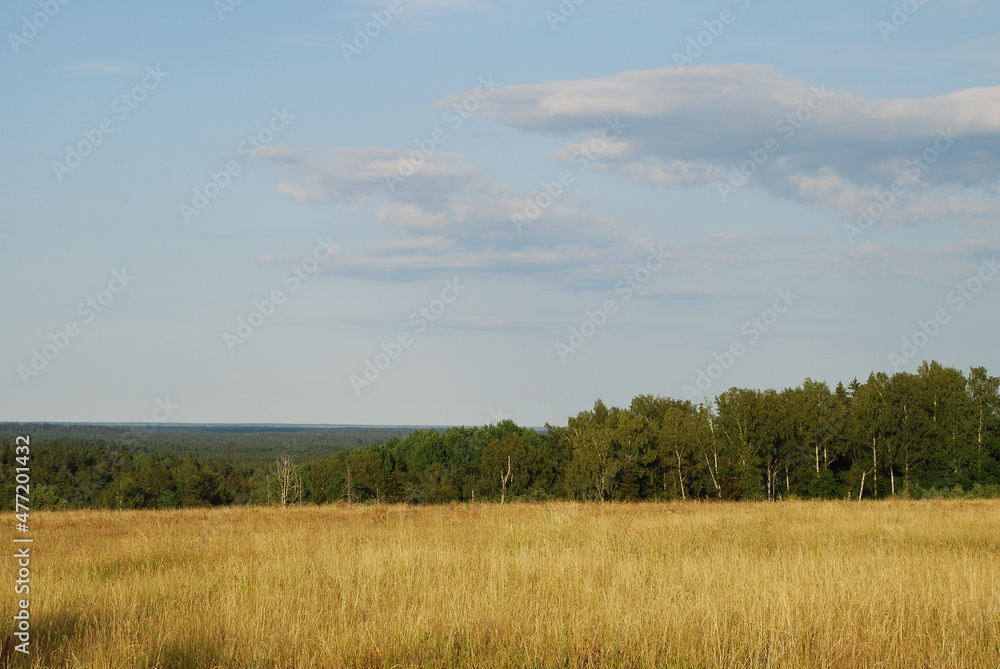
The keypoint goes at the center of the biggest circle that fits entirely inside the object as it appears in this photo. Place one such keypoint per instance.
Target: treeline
(252, 445)
(935, 432)
(106, 475)
(164, 465)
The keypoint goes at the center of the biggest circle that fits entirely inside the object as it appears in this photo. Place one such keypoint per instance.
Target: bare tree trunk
(862, 488)
(680, 475)
(980, 438)
(505, 481)
(874, 468)
(715, 457)
(715, 481)
(288, 480)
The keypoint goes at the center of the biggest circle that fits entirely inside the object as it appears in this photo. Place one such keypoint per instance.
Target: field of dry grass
(797, 584)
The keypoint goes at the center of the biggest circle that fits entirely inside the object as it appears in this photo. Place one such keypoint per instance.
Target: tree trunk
(715, 481)
(680, 475)
(504, 482)
(289, 483)
(874, 468)
(980, 437)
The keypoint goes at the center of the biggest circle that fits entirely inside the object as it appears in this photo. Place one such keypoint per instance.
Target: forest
(935, 432)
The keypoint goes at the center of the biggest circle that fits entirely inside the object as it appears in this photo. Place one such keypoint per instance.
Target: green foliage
(824, 486)
(932, 433)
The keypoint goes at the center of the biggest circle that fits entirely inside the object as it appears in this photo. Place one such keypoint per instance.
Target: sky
(438, 212)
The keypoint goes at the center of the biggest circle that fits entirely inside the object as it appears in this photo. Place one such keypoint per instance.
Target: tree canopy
(936, 431)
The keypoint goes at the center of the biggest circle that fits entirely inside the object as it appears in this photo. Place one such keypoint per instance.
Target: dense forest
(935, 432)
(244, 444)
(164, 465)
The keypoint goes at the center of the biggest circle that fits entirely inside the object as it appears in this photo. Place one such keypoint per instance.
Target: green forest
(935, 432)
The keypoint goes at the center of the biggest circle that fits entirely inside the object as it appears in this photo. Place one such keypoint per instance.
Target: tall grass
(797, 584)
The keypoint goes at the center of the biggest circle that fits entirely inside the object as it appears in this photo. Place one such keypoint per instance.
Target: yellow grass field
(794, 584)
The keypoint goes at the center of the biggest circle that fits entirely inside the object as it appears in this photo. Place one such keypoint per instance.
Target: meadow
(689, 585)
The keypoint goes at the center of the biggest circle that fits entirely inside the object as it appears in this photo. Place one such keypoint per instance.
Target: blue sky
(219, 212)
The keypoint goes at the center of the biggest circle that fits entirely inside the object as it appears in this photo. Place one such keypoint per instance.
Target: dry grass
(798, 584)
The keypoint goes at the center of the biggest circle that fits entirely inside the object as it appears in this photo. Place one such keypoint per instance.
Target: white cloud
(448, 217)
(833, 148)
(684, 129)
